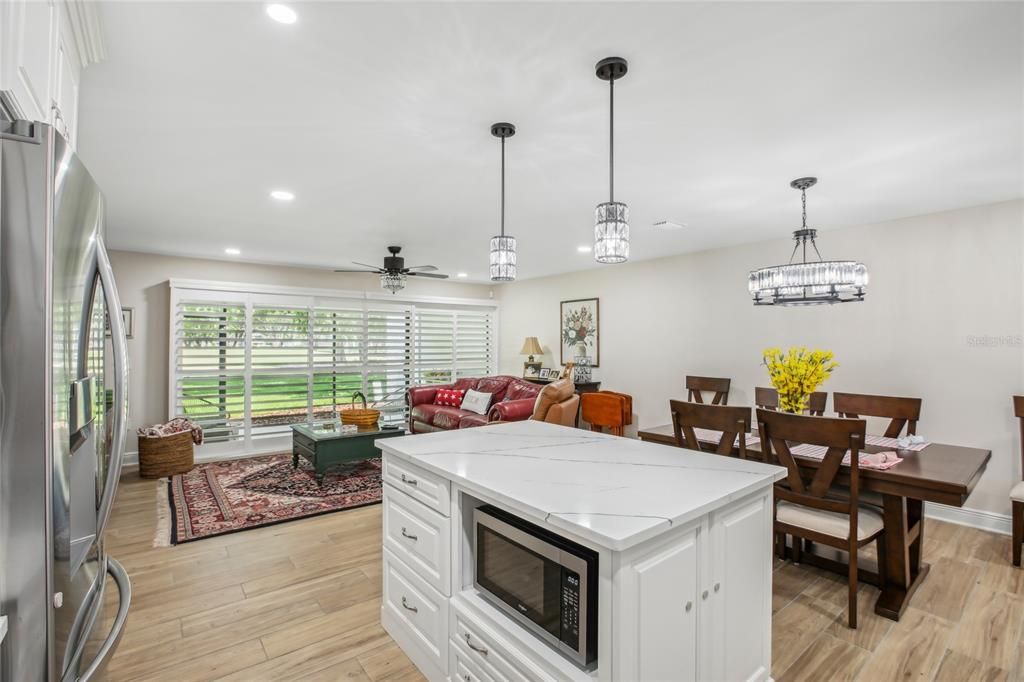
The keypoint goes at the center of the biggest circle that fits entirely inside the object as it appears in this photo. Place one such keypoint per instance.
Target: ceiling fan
(394, 273)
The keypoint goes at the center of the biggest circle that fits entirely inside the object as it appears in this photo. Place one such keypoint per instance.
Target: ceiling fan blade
(432, 275)
(368, 272)
(372, 267)
(424, 268)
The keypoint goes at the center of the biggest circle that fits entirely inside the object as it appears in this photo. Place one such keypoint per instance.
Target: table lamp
(531, 347)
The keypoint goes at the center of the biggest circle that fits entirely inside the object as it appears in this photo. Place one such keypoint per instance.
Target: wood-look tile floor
(301, 601)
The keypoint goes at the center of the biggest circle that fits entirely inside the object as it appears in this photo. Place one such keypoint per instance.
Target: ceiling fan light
(503, 258)
(393, 281)
(611, 232)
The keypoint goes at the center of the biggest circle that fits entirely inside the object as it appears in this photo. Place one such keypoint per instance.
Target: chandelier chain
(803, 200)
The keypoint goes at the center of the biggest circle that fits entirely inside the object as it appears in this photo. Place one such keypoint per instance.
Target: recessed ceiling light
(232, 251)
(583, 249)
(282, 195)
(283, 14)
(462, 275)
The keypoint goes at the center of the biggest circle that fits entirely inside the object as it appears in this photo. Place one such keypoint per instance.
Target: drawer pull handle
(409, 481)
(689, 606)
(705, 595)
(406, 535)
(717, 586)
(405, 605)
(468, 677)
(479, 650)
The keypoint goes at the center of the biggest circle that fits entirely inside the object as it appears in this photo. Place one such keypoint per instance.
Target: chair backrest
(564, 413)
(778, 429)
(696, 386)
(731, 421)
(554, 393)
(604, 410)
(900, 411)
(768, 398)
(1018, 411)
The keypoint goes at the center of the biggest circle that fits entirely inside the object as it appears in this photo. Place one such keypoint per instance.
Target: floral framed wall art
(579, 330)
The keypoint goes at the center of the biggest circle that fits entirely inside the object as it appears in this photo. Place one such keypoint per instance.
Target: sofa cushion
(448, 417)
(471, 420)
(476, 401)
(552, 394)
(496, 386)
(423, 413)
(466, 383)
(452, 397)
(519, 389)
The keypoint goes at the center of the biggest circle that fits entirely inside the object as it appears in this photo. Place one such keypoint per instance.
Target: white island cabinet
(684, 544)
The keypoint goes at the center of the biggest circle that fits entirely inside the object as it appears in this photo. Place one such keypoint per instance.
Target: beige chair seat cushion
(1017, 494)
(869, 521)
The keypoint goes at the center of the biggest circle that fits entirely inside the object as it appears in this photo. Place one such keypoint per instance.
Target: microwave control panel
(570, 625)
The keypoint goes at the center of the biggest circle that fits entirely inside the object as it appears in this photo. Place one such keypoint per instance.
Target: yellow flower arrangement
(797, 374)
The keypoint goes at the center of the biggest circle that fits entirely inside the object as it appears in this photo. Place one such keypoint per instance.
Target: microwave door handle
(124, 591)
(119, 342)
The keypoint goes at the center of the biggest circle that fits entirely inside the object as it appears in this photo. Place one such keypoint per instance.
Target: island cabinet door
(657, 612)
(739, 589)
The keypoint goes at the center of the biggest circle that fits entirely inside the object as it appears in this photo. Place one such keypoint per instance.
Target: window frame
(253, 296)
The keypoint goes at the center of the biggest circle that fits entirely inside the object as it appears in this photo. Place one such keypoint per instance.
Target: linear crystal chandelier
(503, 247)
(808, 283)
(611, 218)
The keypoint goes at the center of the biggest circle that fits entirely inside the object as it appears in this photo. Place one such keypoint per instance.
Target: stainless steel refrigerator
(63, 412)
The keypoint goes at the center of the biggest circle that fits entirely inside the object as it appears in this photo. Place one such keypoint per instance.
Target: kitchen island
(683, 541)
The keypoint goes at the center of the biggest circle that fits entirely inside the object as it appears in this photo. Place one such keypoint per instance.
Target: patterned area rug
(224, 497)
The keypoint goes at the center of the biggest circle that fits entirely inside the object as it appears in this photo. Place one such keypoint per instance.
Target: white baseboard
(975, 518)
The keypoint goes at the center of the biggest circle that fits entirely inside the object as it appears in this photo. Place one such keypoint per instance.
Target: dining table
(940, 473)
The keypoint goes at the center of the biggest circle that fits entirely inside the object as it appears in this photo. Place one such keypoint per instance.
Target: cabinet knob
(689, 606)
(718, 586)
(704, 595)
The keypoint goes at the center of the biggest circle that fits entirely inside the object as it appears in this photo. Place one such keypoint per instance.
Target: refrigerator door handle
(124, 591)
(120, 417)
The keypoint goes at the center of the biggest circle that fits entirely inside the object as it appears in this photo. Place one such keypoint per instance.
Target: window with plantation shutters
(248, 364)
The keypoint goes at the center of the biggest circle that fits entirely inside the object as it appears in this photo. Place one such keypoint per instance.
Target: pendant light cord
(611, 140)
(502, 186)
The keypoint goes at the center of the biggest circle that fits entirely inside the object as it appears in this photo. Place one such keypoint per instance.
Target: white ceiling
(377, 117)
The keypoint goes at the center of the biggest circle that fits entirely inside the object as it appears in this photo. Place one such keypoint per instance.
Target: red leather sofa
(513, 400)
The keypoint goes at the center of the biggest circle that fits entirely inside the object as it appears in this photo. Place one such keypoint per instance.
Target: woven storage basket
(166, 455)
(364, 419)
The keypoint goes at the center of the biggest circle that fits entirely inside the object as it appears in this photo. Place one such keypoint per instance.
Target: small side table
(325, 447)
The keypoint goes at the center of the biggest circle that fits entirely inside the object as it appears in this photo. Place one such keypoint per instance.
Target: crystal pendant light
(808, 283)
(611, 218)
(503, 247)
(393, 281)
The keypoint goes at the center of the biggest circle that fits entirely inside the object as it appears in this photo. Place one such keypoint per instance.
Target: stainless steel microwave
(543, 581)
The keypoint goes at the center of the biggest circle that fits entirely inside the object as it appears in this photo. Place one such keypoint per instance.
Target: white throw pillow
(477, 401)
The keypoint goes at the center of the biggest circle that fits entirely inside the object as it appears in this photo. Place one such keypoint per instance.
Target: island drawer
(464, 669)
(419, 536)
(491, 653)
(420, 609)
(421, 485)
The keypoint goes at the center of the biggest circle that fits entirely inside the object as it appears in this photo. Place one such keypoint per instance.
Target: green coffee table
(325, 447)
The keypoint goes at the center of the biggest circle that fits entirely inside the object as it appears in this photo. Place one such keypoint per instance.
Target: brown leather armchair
(557, 403)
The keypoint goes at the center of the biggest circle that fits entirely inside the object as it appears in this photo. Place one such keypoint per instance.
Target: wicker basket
(166, 455)
(364, 419)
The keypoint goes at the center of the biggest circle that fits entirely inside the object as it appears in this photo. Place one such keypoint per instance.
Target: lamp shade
(531, 346)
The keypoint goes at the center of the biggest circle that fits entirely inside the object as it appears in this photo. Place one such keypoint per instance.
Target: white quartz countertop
(614, 492)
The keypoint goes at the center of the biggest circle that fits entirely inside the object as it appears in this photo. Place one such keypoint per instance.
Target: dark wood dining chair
(606, 410)
(900, 411)
(1017, 493)
(697, 386)
(731, 421)
(768, 398)
(806, 505)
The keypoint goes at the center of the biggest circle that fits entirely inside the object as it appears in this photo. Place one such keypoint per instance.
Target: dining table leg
(903, 568)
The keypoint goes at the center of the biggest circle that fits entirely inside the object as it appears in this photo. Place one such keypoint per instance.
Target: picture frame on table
(579, 330)
(545, 373)
(531, 370)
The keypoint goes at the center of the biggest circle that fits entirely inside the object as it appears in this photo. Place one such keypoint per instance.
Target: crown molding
(83, 23)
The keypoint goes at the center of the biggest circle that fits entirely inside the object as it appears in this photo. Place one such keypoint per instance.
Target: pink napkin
(880, 460)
